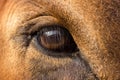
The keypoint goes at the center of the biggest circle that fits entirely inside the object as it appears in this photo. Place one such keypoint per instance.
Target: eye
(56, 40)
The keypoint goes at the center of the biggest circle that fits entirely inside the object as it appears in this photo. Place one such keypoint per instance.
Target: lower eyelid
(36, 45)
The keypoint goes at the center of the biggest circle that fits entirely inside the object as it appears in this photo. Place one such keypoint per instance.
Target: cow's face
(59, 39)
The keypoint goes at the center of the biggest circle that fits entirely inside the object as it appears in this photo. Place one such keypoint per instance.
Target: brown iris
(52, 39)
(56, 39)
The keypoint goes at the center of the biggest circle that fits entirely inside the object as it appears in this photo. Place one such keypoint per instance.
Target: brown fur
(94, 25)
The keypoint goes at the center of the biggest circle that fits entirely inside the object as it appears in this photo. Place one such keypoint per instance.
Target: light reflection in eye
(50, 33)
(52, 39)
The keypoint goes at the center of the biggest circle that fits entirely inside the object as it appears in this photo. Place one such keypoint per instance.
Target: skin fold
(93, 24)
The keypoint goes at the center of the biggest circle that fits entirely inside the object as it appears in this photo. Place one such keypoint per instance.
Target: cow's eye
(56, 40)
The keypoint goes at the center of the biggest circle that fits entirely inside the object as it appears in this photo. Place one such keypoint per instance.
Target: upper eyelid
(35, 24)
